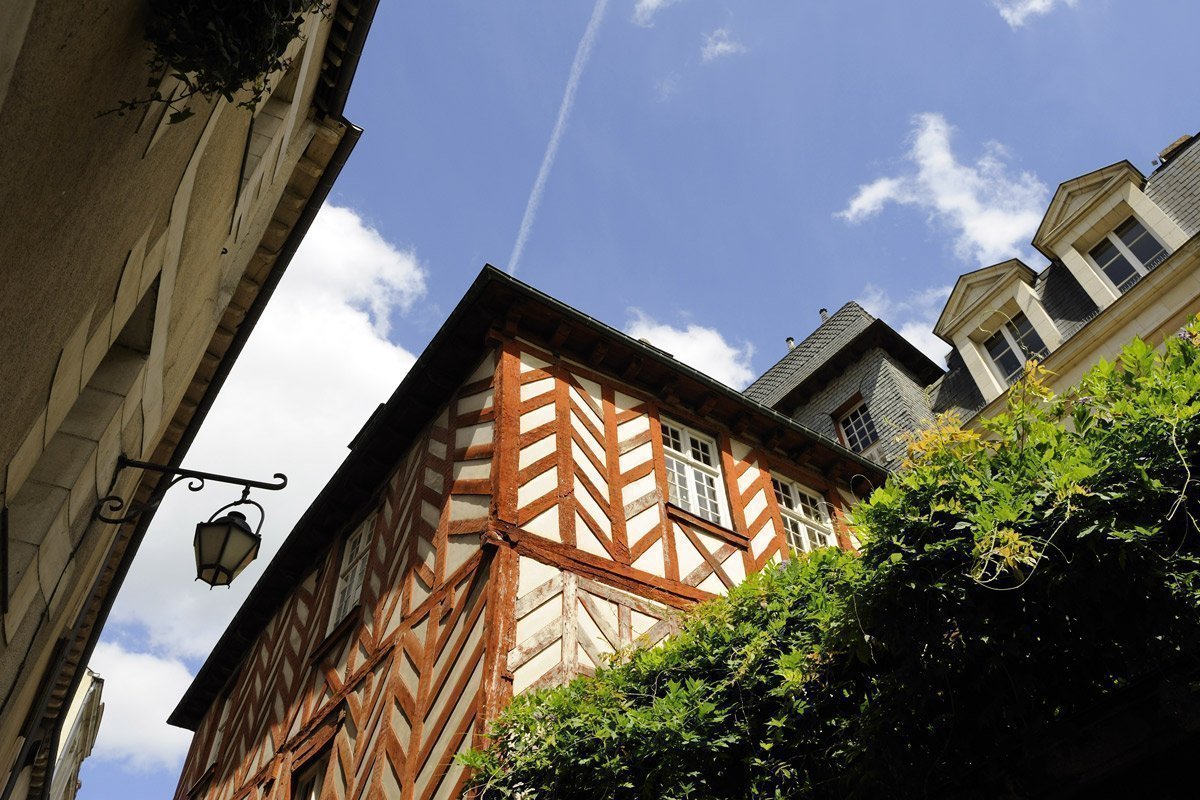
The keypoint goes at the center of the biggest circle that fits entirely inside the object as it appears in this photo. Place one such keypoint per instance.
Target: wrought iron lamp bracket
(109, 509)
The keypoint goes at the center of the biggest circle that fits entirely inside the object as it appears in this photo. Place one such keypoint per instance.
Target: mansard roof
(828, 350)
(1074, 196)
(495, 302)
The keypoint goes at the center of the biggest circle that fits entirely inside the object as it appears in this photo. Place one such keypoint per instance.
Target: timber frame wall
(521, 537)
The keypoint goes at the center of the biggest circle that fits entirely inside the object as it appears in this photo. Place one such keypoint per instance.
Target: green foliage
(219, 48)
(1007, 581)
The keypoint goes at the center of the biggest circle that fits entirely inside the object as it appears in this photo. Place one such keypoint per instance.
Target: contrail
(564, 111)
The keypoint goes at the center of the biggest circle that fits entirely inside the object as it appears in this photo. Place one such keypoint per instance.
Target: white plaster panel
(542, 484)
(532, 362)
(597, 447)
(531, 574)
(686, 554)
(748, 478)
(760, 543)
(586, 540)
(536, 388)
(638, 489)
(638, 455)
(469, 506)
(623, 401)
(539, 449)
(474, 470)
(652, 560)
(755, 506)
(585, 499)
(712, 584)
(640, 524)
(642, 622)
(739, 449)
(475, 402)
(539, 416)
(548, 613)
(440, 752)
(585, 408)
(473, 435)
(631, 428)
(431, 514)
(584, 464)
(545, 524)
(537, 666)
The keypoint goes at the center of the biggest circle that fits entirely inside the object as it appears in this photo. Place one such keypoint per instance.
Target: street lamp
(225, 545)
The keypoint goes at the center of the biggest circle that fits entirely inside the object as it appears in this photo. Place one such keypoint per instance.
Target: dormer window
(1127, 254)
(858, 429)
(1015, 343)
(693, 474)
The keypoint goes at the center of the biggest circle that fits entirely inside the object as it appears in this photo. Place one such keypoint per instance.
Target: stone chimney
(791, 343)
(824, 312)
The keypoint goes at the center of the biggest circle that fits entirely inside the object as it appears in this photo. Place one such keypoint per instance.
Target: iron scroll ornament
(108, 509)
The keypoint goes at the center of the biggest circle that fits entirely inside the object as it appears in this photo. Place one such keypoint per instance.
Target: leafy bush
(1008, 580)
(218, 48)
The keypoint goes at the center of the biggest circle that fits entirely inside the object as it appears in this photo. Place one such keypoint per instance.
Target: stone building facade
(1124, 261)
(540, 491)
(137, 255)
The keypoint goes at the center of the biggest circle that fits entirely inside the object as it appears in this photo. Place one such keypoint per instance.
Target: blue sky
(724, 170)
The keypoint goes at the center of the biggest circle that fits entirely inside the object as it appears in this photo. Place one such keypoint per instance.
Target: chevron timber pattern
(523, 538)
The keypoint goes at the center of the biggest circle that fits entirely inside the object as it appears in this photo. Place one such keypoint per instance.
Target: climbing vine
(1010, 577)
(218, 48)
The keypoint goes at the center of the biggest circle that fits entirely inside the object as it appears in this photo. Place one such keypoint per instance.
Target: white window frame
(1141, 270)
(804, 528)
(355, 555)
(693, 472)
(871, 447)
(1007, 329)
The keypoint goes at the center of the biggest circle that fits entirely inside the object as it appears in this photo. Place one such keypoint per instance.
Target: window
(1128, 253)
(1015, 343)
(858, 429)
(306, 785)
(693, 476)
(350, 577)
(805, 519)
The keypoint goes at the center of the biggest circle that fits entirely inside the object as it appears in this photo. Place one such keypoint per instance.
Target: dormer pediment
(979, 289)
(1075, 197)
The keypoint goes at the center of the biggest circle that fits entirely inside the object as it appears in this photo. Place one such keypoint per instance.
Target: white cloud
(644, 11)
(703, 348)
(720, 43)
(140, 689)
(913, 317)
(1017, 12)
(316, 366)
(992, 210)
(582, 53)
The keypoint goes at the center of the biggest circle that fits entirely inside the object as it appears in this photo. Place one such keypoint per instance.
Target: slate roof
(807, 356)
(1067, 303)
(1175, 186)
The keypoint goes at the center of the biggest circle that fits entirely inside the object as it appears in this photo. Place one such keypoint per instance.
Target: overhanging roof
(494, 300)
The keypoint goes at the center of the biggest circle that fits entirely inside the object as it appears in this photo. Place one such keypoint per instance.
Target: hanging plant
(218, 48)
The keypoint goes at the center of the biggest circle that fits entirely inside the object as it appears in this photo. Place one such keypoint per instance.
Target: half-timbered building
(539, 492)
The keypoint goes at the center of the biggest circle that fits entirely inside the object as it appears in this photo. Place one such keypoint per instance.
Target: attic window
(1014, 344)
(1127, 254)
(857, 428)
